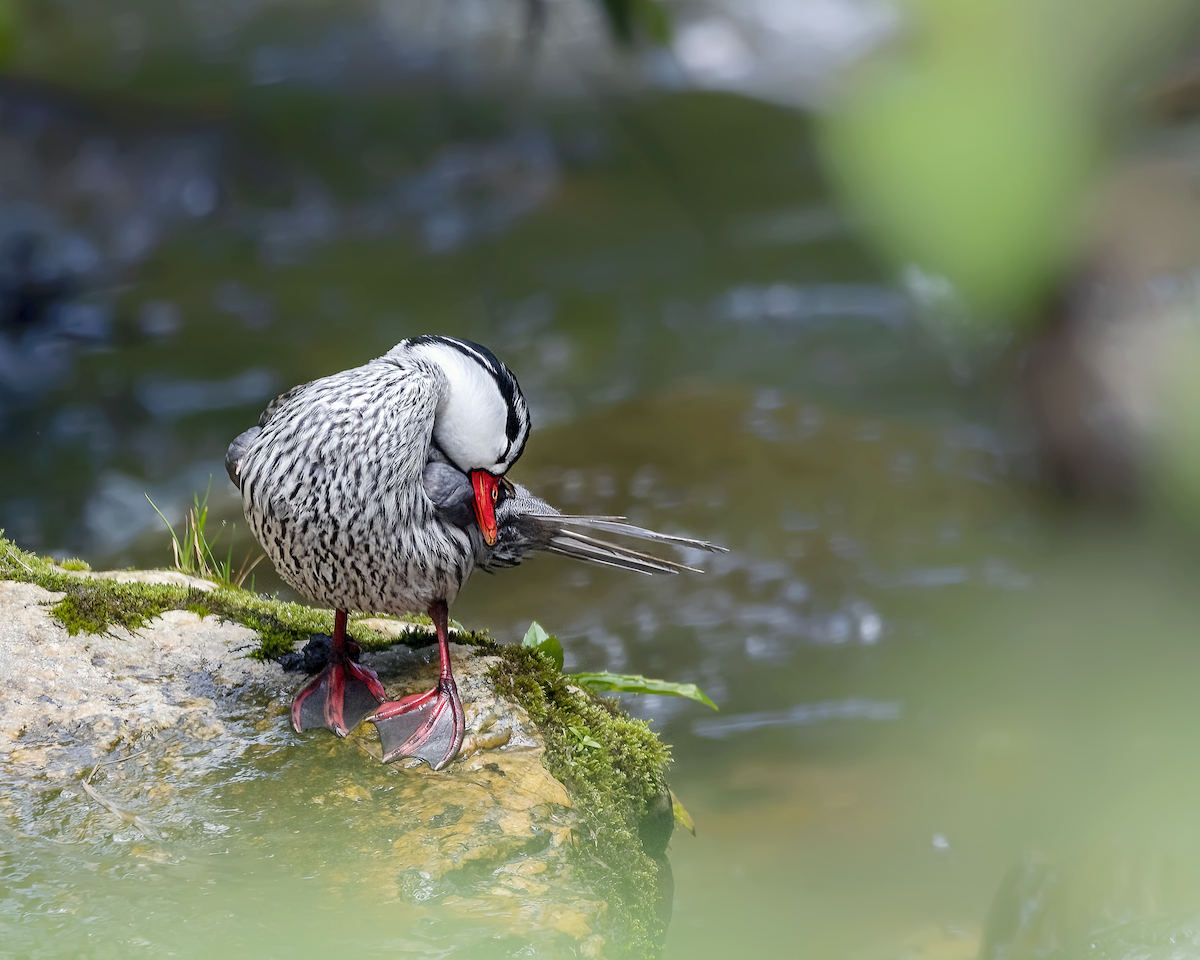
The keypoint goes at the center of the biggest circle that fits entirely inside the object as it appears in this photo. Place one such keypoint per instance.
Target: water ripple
(803, 714)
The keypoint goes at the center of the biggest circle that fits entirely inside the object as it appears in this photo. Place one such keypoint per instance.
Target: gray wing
(527, 524)
(358, 435)
(243, 441)
(450, 490)
(237, 453)
(282, 400)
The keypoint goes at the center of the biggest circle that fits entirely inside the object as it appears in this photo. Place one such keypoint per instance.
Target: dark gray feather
(450, 490)
(237, 451)
(527, 524)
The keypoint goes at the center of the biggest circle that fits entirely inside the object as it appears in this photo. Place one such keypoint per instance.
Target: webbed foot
(339, 697)
(428, 726)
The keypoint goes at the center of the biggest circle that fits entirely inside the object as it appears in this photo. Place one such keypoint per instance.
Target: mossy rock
(94, 602)
(552, 823)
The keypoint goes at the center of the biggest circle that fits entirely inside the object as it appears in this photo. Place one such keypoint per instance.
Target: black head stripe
(480, 354)
(506, 383)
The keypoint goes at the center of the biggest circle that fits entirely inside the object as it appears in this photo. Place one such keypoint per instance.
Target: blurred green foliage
(968, 145)
(10, 22)
(632, 20)
(1174, 457)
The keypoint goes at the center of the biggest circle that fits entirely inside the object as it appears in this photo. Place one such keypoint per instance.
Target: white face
(471, 423)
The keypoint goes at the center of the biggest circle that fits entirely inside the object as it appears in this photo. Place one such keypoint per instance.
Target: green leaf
(584, 739)
(552, 649)
(635, 683)
(537, 639)
(535, 636)
(682, 817)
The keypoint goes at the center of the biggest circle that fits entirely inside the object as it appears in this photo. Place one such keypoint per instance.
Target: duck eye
(495, 492)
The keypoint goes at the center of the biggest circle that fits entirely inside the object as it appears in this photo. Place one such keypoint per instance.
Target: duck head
(482, 421)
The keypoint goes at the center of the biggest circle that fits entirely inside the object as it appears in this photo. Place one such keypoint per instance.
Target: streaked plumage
(332, 482)
(381, 488)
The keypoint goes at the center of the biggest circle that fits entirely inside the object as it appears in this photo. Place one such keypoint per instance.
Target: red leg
(340, 696)
(428, 725)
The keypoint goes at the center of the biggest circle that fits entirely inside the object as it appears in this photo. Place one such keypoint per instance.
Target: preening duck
(380, 489)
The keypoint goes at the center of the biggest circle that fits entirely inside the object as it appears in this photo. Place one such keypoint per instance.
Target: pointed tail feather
(528, 524)
(620, 526)
(591, 550)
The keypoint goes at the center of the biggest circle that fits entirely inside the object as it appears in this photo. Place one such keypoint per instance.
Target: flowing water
(928, 675)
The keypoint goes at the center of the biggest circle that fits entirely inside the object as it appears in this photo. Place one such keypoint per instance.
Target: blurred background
(897, 299)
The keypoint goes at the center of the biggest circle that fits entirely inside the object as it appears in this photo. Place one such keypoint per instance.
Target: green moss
(614, 768)
(93, 605)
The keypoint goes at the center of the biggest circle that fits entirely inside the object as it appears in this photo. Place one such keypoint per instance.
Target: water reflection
(800, 715)
(790, 303)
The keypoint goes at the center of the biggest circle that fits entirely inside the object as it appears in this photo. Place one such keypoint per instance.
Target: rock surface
(179, 720)
(68, 701)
